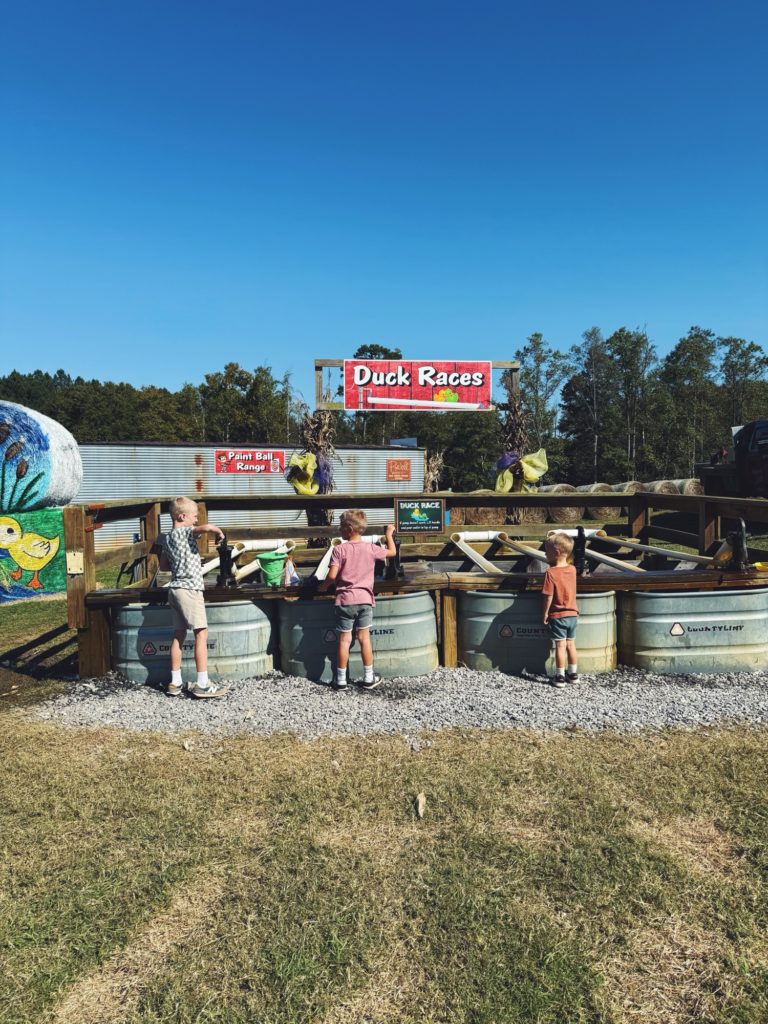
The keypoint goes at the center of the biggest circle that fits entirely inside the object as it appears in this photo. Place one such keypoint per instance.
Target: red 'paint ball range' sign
(385, 385)
(249, 460)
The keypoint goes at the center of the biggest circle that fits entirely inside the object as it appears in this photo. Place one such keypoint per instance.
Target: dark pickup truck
(747, 475)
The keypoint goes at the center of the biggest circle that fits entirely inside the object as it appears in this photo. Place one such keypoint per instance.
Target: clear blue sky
(185, 184)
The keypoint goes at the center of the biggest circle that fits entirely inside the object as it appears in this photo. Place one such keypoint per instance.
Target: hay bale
(599, 511)
(479, 515)
(690, 486)
(627, 487)
(533, 514)
(567, 514)
(661, 487)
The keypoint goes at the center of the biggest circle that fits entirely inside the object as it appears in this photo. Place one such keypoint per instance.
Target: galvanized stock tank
(404, 638)
(240, 642)
(505, 632)
(700, 631)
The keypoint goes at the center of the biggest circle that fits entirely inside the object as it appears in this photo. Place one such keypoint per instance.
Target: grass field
(561, 878)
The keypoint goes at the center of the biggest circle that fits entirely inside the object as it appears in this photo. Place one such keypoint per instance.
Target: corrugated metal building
(113, 471)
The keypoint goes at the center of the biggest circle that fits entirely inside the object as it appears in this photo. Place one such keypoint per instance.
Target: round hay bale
(599, 511)
(690, 486)
(533, 514)
(479, 515)
(627, 487)
(568, 513)
(661, 487)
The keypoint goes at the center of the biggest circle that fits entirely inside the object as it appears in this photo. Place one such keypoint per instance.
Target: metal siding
(148, 471)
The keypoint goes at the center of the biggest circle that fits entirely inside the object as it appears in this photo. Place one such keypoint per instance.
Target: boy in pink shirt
(352, 567)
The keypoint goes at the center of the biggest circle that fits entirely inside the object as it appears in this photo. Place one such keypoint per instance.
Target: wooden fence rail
(89, 609)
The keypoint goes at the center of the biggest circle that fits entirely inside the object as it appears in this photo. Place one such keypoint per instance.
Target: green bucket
(272, 564)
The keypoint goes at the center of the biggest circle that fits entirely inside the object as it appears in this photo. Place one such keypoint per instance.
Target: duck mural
(40, 471)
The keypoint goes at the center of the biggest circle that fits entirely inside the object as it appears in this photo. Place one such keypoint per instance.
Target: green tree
(688, 372)
(743, 366)
(543, 370)
(590, 419)
(634, 358)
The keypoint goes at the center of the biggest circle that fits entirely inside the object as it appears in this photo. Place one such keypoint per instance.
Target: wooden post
(637, 517)
(204, 540)
(709, 526)
(449, 633)
(74, 547)
(150, 531)
(92, 624)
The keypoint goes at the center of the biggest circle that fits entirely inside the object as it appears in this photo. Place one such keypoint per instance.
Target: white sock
(368, 670)
(560, 673)
(572, 670)
(202, 679)
(341, 675)
(176, 677)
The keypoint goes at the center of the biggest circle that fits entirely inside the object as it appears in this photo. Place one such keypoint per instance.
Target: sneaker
(338, 684)
(558, 682)
(572, 677)
(211, 690)
(175, 689)
(376, 681)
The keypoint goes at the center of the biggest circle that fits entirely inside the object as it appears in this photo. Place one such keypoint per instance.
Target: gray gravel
(625, 700)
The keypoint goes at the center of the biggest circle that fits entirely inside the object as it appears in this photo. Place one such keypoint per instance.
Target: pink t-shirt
(355, 561)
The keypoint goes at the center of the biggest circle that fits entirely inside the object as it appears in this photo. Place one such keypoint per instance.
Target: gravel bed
(625, 700)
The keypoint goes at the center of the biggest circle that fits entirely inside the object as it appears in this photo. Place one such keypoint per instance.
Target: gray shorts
(564, 628)
(353, 616)
(187, 608)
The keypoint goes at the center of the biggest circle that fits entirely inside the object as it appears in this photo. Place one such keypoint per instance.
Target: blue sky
(188, 184)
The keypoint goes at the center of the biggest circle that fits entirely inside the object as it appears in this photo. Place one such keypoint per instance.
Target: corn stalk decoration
(311, 470)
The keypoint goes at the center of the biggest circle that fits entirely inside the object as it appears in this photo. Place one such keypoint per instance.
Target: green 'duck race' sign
(420, 515)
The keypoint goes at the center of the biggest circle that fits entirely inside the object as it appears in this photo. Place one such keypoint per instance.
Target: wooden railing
(88, 609)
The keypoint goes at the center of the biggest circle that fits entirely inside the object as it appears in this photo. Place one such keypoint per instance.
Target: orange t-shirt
(560, 581)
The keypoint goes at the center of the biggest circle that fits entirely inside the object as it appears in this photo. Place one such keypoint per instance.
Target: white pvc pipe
(620, 542)
(575, 533)
(523, 549)
(241, 572)
(475, 535)
(324, 564)
(480, 562)
(241, 546)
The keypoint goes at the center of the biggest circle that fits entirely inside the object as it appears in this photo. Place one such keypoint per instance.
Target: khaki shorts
(187, 608)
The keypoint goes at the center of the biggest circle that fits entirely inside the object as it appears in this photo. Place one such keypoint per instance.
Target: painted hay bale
(566, 514)
(690, 486)
(599, 511)
(661, 487)
(32, 559)
(40, 463)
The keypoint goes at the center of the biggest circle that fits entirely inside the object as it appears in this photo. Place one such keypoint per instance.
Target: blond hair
(354, 520)
(561, 543)
(181, 505)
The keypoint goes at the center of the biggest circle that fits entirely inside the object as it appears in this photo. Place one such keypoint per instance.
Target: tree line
(606, 409)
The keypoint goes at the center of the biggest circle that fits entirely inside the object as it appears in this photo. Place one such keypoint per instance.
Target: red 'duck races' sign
(384, 385)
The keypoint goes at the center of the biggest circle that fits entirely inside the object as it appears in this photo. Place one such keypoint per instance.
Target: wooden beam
(709, 525)
(449, 631)
(94, 653)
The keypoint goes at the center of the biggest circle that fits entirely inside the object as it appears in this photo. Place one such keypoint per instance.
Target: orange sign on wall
(398, 469)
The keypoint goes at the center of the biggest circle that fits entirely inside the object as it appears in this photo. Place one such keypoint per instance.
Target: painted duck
(29, 551)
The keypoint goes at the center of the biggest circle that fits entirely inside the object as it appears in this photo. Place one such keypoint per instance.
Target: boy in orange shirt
(561, 612)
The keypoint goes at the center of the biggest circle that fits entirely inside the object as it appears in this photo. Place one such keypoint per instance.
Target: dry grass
(611, 879)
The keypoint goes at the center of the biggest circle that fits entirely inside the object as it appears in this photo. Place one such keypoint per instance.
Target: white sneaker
(211, 690)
